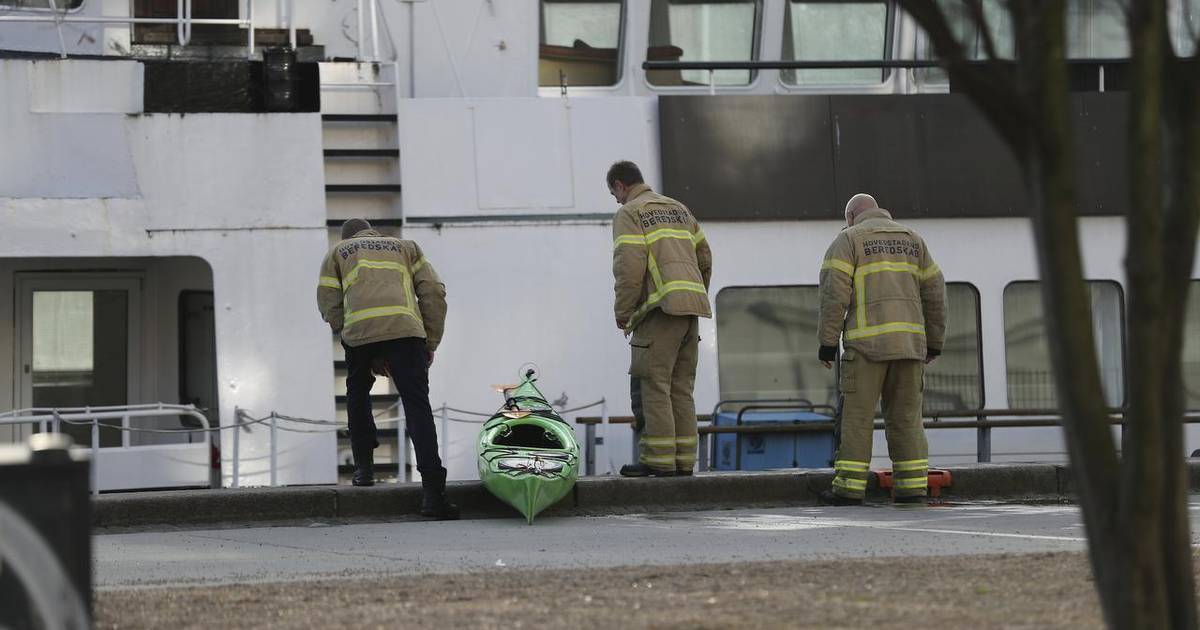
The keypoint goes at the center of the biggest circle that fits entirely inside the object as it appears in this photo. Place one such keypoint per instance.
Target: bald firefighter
(885, 298)
(662, 266)
(386, 301)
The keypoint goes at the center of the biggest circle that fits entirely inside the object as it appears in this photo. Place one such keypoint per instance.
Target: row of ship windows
(581, 42)
(767, 344)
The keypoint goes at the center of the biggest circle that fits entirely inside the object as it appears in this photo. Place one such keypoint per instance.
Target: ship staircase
(362, 179)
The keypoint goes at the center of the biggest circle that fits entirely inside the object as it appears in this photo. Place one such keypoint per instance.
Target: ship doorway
(204, 34)
(198, 354)
(78, 346)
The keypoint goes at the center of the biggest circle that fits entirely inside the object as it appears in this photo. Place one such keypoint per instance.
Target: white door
(78, 344)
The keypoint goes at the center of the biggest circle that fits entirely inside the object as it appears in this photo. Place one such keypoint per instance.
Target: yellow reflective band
(662, 233)
(656, 235)
(378, 311)
(653, 441)
(909, 484)
(930, 271)
(330, 282)
(419, 264)
(851, 484)
(840, 265)
(883, 329)
(846, 464)
(860, 287)
(352, 277)
(911, 464)
(629, 239)
(665, 460)
(887, 265)
(685, 440)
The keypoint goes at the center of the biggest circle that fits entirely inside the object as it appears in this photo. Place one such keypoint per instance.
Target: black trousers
(408, 362)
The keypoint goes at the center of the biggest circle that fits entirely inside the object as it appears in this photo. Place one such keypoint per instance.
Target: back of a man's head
(857, 205)
(625, 172)
(354, 226)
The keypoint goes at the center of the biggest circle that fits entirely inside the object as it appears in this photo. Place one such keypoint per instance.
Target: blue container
(763, 451)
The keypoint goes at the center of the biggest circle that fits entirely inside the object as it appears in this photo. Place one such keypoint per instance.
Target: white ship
(166, 196)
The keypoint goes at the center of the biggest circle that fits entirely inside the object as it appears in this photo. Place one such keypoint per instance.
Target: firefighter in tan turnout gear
(389, 306)
(662, 266)
(885, 298)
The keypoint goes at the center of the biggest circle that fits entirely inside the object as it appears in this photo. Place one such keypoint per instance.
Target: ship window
(820, 31)
(955, 381)
(767, 345)
(69, 5)
(1031, 382)
(1191, 348)
(702, 30)
(1095, 30)
(580, 42)
(999, 23)
(1183, 20)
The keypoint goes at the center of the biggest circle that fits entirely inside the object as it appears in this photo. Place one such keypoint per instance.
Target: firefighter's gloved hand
(827, 355)
(931, 354)
(379, 367)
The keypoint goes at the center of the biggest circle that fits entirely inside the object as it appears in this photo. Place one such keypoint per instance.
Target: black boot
(827, 497)
(364, 471)
(642, 470)
(433, 502)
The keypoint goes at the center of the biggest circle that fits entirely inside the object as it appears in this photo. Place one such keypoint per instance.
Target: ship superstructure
(171, 174)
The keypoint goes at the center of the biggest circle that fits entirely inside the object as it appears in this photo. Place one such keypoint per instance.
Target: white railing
(51, 419)
(368, 12)
(280, 422)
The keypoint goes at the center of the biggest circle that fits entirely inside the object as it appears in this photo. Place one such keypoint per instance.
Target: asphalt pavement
(324, 550)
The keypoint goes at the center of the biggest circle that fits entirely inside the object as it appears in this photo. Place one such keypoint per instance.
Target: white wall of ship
(518, 292)
(89, 183)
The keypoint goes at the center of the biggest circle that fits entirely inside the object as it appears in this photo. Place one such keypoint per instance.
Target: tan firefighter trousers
(662, 371)
(900, 383)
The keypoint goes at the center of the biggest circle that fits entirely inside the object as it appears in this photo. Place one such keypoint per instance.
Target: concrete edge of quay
(1014, 482)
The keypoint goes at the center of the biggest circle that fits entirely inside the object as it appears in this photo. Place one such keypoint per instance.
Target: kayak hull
(528, 457)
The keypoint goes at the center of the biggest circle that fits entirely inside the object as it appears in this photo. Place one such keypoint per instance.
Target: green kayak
(528, 456)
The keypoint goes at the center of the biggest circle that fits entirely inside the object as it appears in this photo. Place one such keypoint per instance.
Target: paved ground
(957, 566)
(300, 553)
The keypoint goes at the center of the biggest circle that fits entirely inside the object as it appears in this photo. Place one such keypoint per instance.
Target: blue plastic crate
(763, 451)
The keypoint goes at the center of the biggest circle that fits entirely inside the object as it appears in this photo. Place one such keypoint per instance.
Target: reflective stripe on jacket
(375, 288)
(660, 259)
(881, 291)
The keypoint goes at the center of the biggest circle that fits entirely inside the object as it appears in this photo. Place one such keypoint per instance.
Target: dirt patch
(1047, 590)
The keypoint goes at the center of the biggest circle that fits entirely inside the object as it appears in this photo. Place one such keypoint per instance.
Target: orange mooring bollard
(938, 479)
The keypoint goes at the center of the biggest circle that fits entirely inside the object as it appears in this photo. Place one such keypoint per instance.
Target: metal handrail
(836, 64)
(184, 21)
(1026, 419)
(51, 420)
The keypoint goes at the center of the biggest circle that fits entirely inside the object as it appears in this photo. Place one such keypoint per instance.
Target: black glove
(827, 353)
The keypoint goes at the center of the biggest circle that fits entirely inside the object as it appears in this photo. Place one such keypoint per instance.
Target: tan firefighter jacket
(375, 288)
(881, 292)
(660, 259)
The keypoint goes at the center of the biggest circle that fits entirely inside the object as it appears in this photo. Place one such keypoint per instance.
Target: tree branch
(993, 90)
(981, 24)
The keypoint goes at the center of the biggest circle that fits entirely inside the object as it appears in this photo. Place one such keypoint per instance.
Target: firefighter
(662, 266)
(386, 301)
(885, 299)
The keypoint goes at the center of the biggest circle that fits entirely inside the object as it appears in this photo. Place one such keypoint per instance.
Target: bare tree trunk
(1182, 115)
(1135, 512)
(1144, 463)
(1068, 302)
